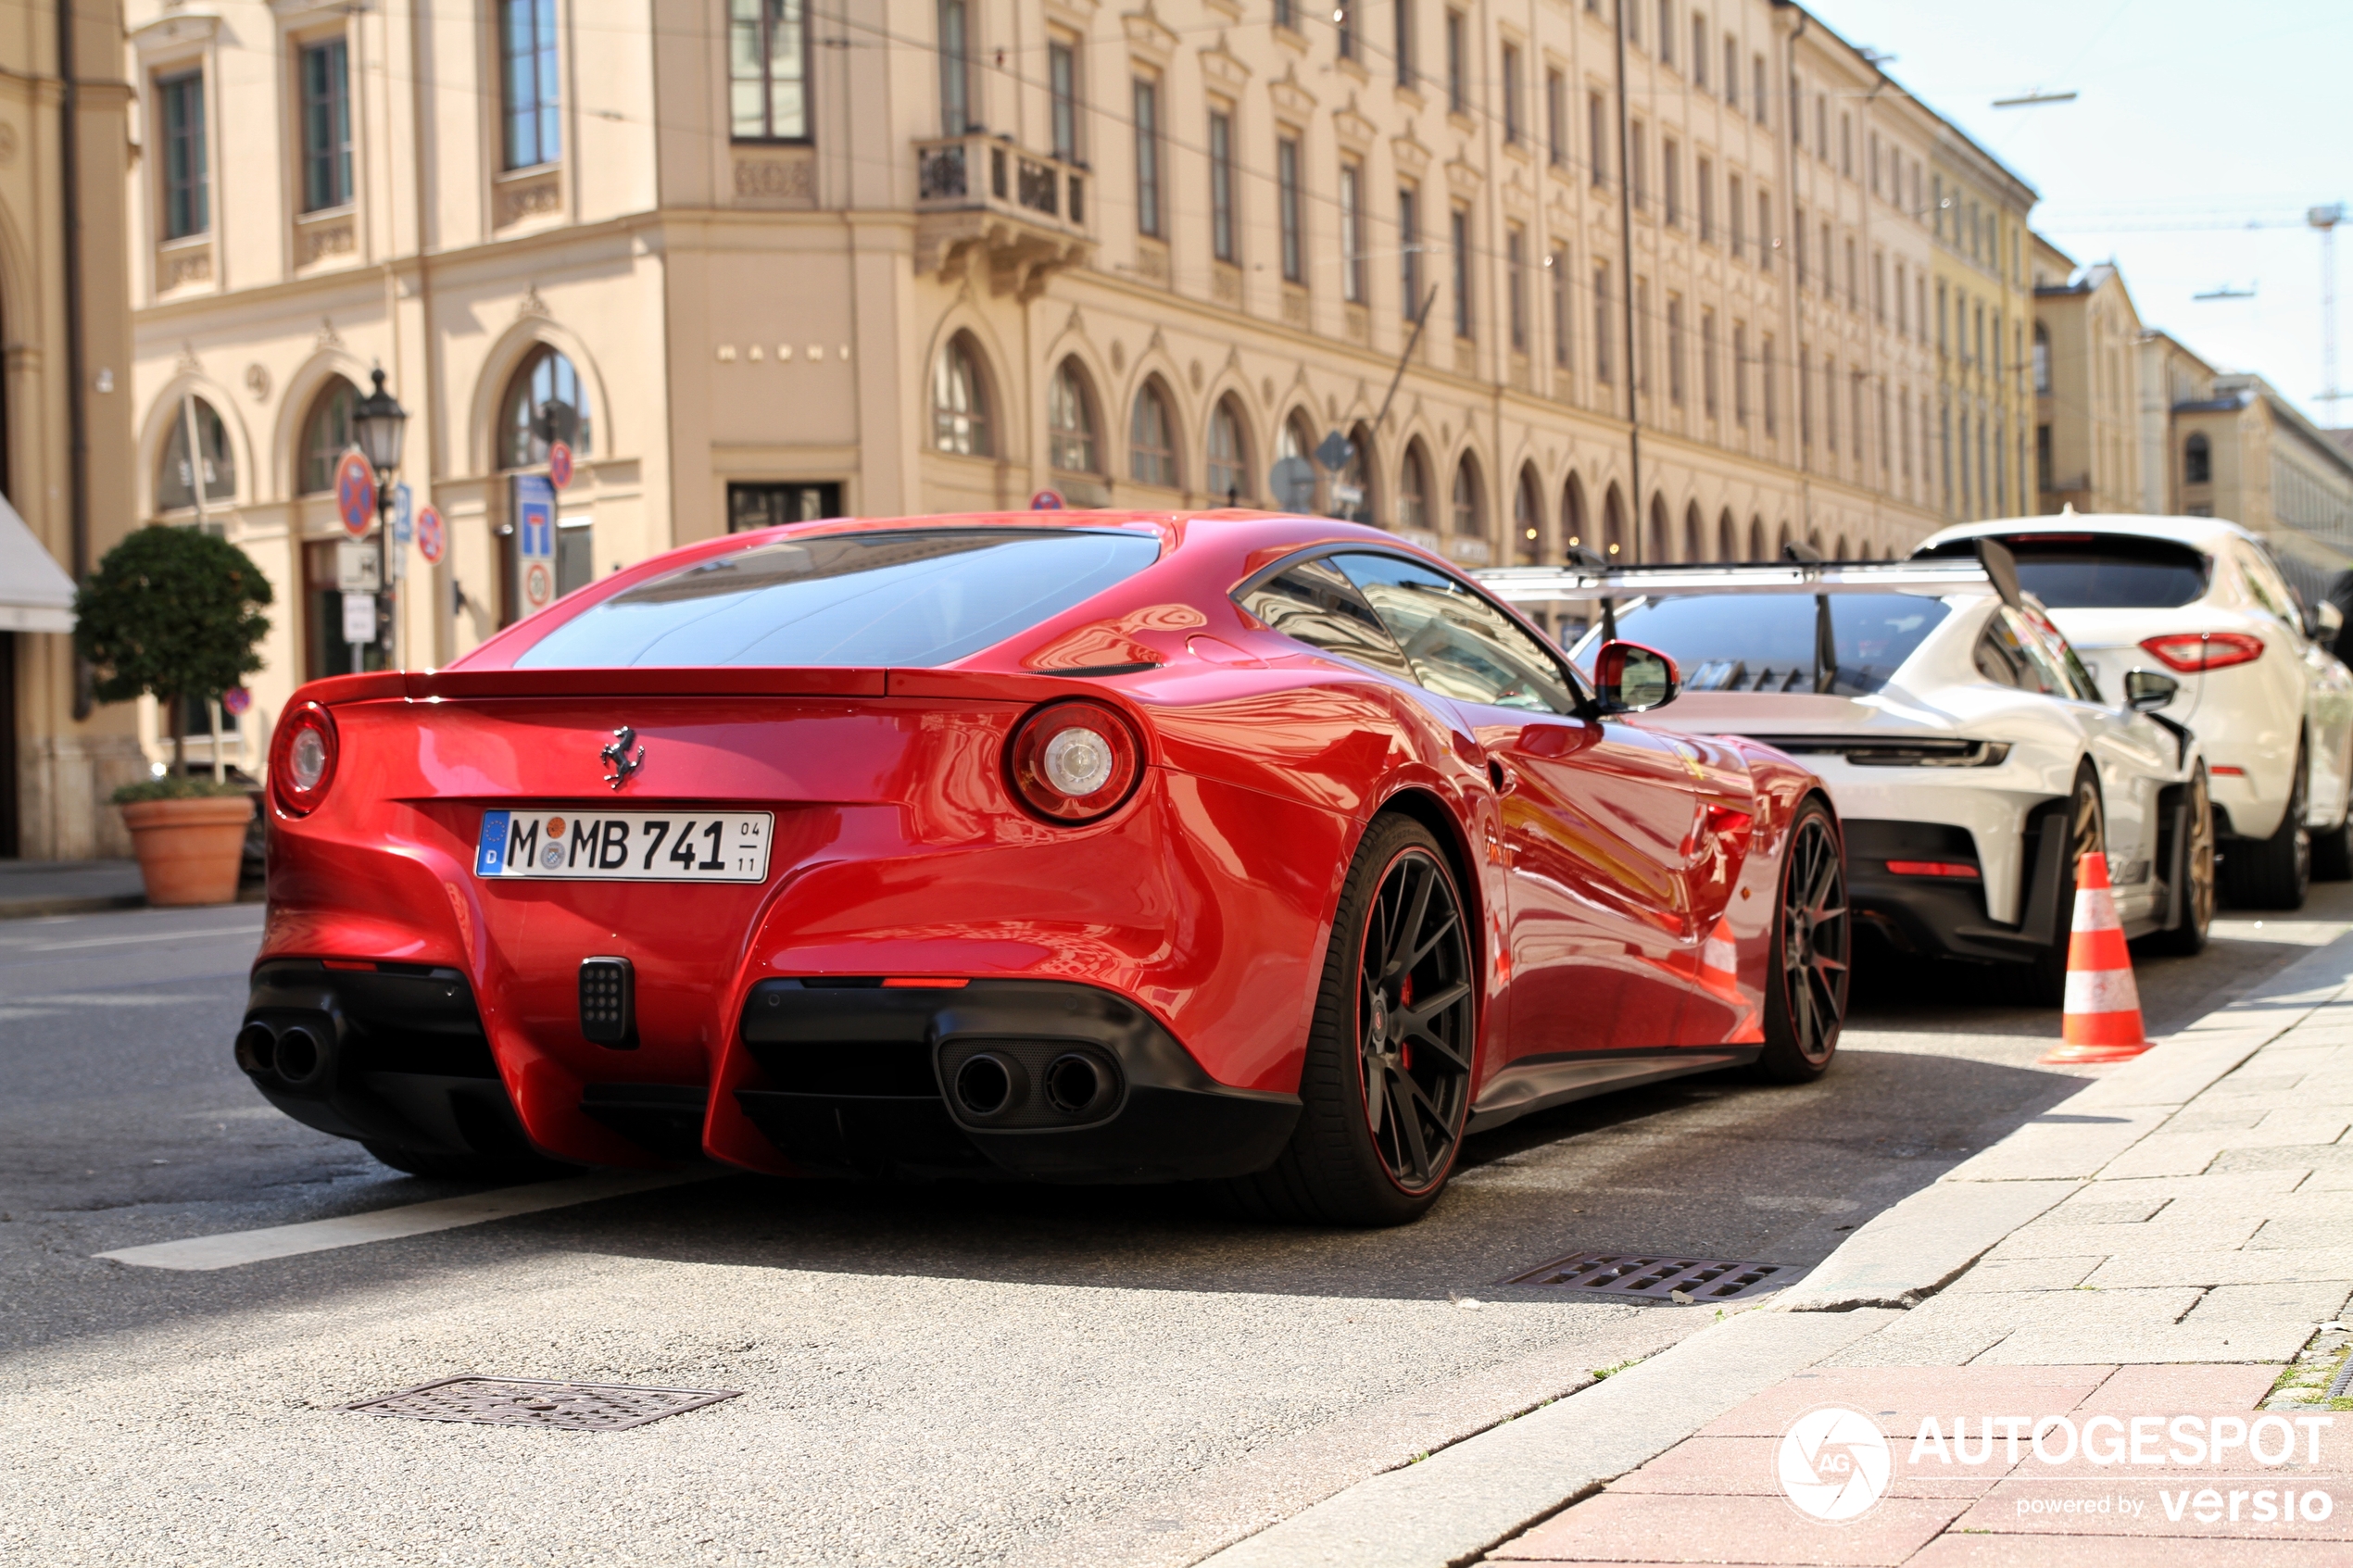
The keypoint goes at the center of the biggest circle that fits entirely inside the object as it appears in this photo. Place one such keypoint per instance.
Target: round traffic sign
(559, 464)
(355, 494)
(538, 585)
(429, 537)
(236, 699)
(1046, 501)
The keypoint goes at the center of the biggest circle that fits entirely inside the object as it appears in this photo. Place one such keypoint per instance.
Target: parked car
(1106, 848)
(1972, 757)
(2205, 600)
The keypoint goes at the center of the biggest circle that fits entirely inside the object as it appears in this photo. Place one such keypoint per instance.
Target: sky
(2192, 120)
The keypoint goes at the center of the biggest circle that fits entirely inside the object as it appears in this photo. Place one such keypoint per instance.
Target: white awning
(35, 593)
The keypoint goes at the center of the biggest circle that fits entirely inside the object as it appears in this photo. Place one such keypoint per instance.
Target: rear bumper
(1936, 916)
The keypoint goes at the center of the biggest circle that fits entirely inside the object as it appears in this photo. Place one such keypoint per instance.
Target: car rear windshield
(2102, 571)
(909, 598)
(1766, 642)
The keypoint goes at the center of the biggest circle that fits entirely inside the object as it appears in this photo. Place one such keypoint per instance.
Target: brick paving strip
(2168, 1242)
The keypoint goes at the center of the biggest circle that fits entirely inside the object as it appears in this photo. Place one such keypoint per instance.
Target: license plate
(624, 845)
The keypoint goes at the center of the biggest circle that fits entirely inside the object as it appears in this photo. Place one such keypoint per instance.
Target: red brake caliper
(1405, 1048)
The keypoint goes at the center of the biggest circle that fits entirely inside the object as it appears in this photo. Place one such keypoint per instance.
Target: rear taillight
(302, 758)
(1933, 868)
(2192, 652)
(1075, 761)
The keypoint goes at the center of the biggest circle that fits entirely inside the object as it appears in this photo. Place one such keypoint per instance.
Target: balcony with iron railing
(984, 206)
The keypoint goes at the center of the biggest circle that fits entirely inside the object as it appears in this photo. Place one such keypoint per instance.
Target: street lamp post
(377, 425)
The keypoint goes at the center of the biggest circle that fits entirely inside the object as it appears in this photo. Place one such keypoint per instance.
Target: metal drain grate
(2343, 1381)
(1653, 1278)
(531, 1402)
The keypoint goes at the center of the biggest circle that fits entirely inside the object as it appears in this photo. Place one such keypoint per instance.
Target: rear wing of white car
(1546, 585)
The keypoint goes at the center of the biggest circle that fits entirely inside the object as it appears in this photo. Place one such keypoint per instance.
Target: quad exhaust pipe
(295, 1056)
(994, 1087)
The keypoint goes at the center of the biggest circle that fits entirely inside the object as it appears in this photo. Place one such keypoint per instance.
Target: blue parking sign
(535, 517)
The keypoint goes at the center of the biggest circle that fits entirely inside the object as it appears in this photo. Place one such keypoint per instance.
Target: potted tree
(175, 613)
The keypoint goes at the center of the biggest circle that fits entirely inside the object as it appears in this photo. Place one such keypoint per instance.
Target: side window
(2087, 685)
(2002, 660)
(1459, 645)
(2049, 667)
(2263, 580)
(1315, 604)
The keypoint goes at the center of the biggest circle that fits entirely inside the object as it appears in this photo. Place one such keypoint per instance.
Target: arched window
(1695, 544)
(1780, 540)
(2197, 461)
(959, 401)
(2041, 358)
(545, 402)
(1358, 476)
(176, 480)
(1527, 519)
(1573, 515)
(1297, 439)
(1413, 491)
(1466, 519)
(1151, 438)
(1757, 548)
(1655, 544)
(326, 435)
(1070, 421)
(1613, 524)
(1229, 455)
(1728, 538)
(1840, 554)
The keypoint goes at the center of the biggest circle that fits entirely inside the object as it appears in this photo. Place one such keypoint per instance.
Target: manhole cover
(1654, 1278)
(530, 1401)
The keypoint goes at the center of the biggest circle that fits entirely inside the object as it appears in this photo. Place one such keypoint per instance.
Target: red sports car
(1082, 846)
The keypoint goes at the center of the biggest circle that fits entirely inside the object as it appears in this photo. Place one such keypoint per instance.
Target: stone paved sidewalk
(2177, 1240)
(32, 888)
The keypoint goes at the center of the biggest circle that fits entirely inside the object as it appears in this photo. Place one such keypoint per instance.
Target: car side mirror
(2327, 622)
(2145, 691)
(1633, 679)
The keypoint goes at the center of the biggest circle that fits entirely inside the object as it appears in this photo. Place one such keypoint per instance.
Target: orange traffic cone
(2102, 1016)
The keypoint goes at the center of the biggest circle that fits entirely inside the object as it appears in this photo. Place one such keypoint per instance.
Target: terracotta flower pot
(189, 851)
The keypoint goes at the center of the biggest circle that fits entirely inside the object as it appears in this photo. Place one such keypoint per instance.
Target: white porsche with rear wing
(1972, 756)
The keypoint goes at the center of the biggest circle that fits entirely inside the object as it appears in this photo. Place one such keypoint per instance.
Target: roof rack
(1542, 584)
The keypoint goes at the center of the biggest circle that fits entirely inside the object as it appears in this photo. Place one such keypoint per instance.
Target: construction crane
(2326, 219)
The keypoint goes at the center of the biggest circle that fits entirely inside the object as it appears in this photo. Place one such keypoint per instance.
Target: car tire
(501, 1169)
(1385, 1090)
(1805, 982)
(2333, 851)
(2274, 873)
(2084, 821)
(2197, 904)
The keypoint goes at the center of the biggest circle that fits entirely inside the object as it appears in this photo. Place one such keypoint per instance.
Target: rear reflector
(922, 983)
(1932, 868)
(350, 963)
(2228, 772)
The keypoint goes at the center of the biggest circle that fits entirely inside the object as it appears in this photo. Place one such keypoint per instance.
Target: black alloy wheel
(2275, 872)
(2199, 895)
(1813, 942)
(1385, 1089)
(2084, 821)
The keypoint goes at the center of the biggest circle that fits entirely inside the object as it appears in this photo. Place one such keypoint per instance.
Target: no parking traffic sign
(429, 535)
(355, 494)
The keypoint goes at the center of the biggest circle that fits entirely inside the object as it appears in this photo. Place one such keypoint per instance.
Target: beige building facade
(755, 264)
(2088, 387)
(1984, 307)
(65, 150)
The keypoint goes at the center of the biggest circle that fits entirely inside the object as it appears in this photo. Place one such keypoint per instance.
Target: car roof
(2207, 533)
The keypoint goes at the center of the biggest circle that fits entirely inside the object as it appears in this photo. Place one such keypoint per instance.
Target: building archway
(1613, 533)
(1527, 519)
(1573, 521)
(1695, 534)
(1656, 546)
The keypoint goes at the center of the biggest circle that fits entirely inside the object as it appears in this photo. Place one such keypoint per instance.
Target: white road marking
(229, 1250)
(2286, 932)
(123, 941)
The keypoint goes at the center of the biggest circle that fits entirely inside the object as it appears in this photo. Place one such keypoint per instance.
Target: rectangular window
(1409, 250)
(1289, 209)
(1460, 236)
(955, 66)
(1708, 371)
(1736, 209)
(1875, 186)
(1406, 55)
(1556, 119)
(1919, 291)
(1941, 313)
(527, 61)
(1883, 460)
(1557, 265)
(1822, 126)
(768, 70)
(1830, 263)
(1903, 308)
(1670, 171)
(1666, 32)
(1903, 431)
(1675, 349)
(1805, 399)
(1351, 233)
(326, 125)
(1515, 275)
(1740, 374)
(1062, 84)
(1936, 203)
(1769, 385)
(1847, 145)
(1699, 50)
(1830, 404)
(1637, 174)
(1879, 288)
(1221, 185)
(1760, 99)
(1601, 323)
(1855, 413)
(1344, 32)
(1597, 136)
(1763, 230)
(1286, 14)
(1457, 65)
(187, 173)
(1797, 240)
(1854, 292)
(1731, 71)
(1704, 196)
(1147, 121)
(1514, 128)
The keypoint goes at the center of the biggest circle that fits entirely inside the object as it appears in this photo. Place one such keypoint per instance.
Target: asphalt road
(935, 1375)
